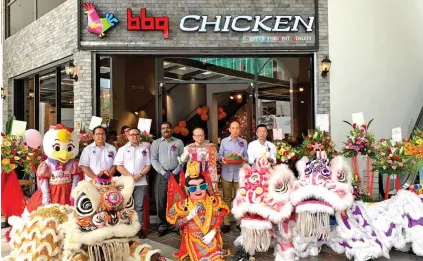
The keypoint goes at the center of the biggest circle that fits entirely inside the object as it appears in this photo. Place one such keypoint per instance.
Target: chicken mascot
(59, 173)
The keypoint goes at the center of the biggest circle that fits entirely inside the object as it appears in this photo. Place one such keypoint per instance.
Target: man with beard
(164, 158)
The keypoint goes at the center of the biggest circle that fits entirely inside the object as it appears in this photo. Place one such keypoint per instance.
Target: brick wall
(323, 90)
(83, 89)
(46, 40)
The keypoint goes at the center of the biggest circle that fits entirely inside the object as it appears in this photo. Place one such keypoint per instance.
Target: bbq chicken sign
(242, 23)
(268, 23)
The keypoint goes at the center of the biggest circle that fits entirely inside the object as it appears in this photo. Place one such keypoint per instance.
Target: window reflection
(47, 101)
(105, 90)
(29, 103)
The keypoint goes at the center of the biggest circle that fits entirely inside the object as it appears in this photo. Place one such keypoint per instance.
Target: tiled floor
(170, 243)
(173, 240)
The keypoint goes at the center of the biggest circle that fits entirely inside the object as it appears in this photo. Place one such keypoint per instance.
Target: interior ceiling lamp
(31, 94)
(72, 71)
(325, 66)
(3, 93)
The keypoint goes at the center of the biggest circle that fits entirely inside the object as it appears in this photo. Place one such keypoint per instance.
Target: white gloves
(193, 212)
(45, 191)
(208, 238)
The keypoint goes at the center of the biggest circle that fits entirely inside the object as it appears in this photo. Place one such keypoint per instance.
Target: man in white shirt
(261, 147)
(97, 158)
(133, 160)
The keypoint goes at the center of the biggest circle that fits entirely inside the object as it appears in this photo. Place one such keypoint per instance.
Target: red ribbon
(370, 176)
(356, 169)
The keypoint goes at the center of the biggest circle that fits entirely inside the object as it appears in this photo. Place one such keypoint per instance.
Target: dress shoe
(225, 229)
(162, 233)
(141, 234)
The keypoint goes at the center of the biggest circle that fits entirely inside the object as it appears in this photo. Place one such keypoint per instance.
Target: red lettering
(145, 23)
(162, 23)
(132, 23)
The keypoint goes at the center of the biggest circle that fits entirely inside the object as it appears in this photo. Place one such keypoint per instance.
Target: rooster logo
(97, 25)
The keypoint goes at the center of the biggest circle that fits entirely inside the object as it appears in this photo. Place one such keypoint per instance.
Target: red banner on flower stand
(12, 197)
(388, 185)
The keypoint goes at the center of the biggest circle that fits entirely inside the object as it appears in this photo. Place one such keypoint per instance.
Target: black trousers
(160, 190)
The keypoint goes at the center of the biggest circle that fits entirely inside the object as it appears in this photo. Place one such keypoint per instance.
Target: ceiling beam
(224, 71)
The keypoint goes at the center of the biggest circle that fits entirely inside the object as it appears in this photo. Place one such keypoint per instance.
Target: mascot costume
(198, 214)
(57, 175)
(101, 227)
(322, 211)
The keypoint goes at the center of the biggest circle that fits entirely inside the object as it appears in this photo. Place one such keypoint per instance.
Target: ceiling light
(183, 68)
(291, 91)
(231, 97)
(136, 113)
(302, 101)
(239, 96)
(165, 63)
(301, 89)
(208, 72)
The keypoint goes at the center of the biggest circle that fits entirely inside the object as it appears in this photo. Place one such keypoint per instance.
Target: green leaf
(368, 124)
(348, 123)
(9, 125)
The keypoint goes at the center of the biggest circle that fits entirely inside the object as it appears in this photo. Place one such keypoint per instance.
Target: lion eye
(84, 207)
(281, 188)
(341, 177)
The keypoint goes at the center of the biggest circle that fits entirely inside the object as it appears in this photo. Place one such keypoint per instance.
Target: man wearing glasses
(164, 157)
(133, 159)
(261, 148)
(97, 158)
(205, 153)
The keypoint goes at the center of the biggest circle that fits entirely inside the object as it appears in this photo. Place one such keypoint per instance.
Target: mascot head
(104, 218)
(261, 201)
(323, 188)
(61, 143)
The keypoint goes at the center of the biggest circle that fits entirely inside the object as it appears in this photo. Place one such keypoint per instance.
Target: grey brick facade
(55, 36)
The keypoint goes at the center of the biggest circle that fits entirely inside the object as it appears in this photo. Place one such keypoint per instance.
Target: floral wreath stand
(370, 175)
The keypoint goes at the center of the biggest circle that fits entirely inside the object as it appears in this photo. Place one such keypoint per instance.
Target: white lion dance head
(323, 188)
(261, 201)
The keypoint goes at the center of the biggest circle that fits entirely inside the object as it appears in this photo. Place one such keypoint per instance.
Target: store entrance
(207, 92)
(211, 92)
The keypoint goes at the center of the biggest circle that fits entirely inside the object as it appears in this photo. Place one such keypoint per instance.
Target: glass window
(29, 111)
(47, 101)
(45, 6)
(105, 90)
(67, 99)
(20, 13)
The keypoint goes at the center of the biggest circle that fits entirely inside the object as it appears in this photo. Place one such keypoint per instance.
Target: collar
(163, 139)
(237, 139)
(128, 144)
(93, 145)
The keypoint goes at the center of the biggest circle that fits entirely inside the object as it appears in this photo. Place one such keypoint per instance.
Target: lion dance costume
(57, 175)
(317, 209)
(101, 227)
(198, 214)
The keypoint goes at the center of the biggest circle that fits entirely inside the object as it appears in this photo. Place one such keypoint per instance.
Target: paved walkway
(170, 243)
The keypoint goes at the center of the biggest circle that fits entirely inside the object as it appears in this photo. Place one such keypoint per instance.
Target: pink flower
(401, 164)
(369, 151)
(394, 167)
(384, 167)
(390, 161)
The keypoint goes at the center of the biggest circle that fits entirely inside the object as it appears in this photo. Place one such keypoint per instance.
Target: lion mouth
(314, 201)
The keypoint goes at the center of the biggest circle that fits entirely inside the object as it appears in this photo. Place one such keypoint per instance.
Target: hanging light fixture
(72, 71)
(3, 93)
(31, 94)
(325, 66)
